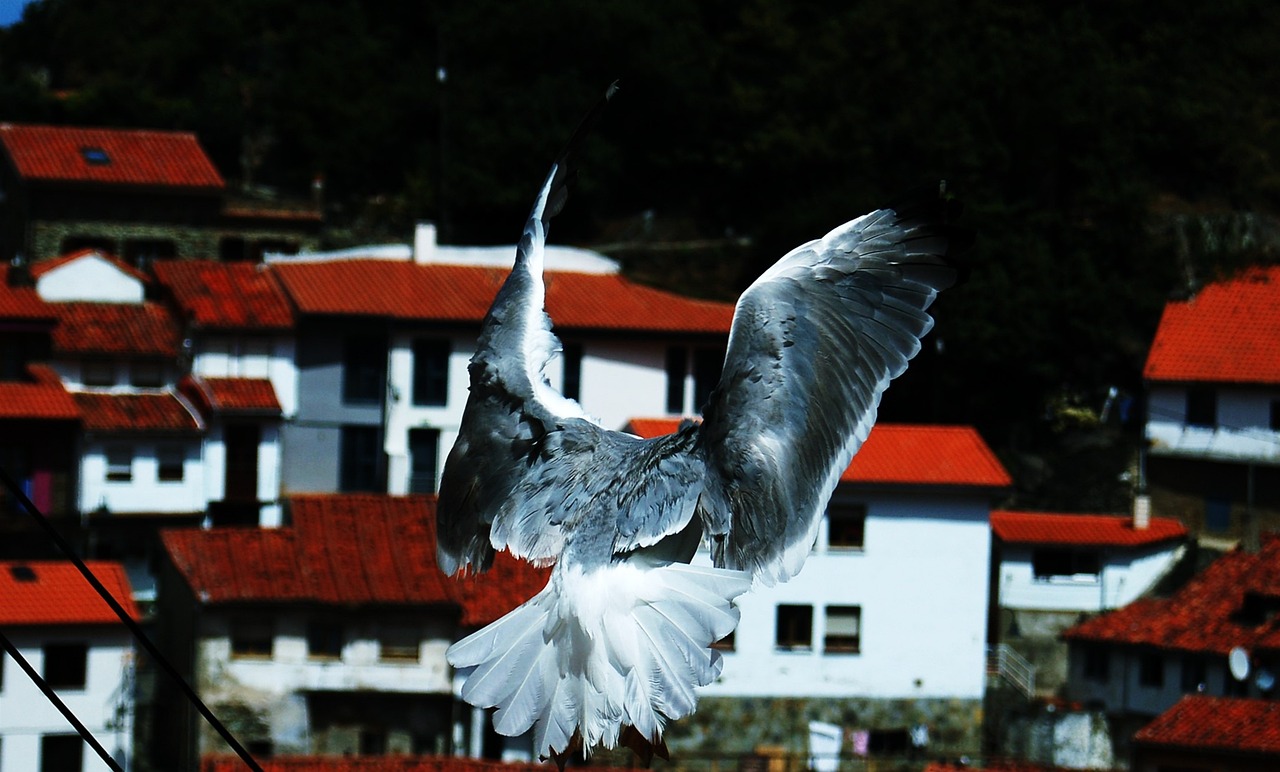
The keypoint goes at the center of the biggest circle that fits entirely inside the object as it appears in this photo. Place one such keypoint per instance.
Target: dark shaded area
(1108, 155)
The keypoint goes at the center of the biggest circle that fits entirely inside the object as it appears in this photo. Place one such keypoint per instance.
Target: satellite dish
(1265, 680)
(1238, 662)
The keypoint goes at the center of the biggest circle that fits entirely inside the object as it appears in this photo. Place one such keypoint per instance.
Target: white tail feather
(623, 645)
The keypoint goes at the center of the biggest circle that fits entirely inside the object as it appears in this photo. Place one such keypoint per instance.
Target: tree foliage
(1105, 152)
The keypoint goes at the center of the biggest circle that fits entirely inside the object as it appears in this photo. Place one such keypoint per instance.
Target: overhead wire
(129, 622)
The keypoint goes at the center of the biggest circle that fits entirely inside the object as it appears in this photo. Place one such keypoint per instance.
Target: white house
(73, 640)
(384, 341)
(1073, 562)
(1213, 425)
(887, 621)
(325, 636)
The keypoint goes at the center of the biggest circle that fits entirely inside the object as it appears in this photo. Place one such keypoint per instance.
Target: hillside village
(243, 436)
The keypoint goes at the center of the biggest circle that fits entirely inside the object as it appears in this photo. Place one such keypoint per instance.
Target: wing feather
(815, 341)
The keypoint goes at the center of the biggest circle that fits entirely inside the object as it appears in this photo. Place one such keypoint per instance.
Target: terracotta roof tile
(1210, 613)
(348, 549)
(900, 454)
(459, 293)
(115, 329)
(1082, 529)
(1228, 333)
(140, 413)
(46, 592)
(231, 395)
(21, 303)
(42, 397)
(127, 157)
(1199, 722)
(225, 296)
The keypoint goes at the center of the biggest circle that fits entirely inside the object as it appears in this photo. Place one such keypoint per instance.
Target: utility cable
(128, 620)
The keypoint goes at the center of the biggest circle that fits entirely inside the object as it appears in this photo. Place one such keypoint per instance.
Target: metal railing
(1005, 663)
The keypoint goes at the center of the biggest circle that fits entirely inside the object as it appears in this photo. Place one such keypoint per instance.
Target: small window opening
(95, 156)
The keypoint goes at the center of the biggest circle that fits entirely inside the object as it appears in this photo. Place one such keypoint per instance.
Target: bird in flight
(616, 644)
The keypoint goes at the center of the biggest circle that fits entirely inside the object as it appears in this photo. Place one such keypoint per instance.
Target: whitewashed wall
(89, 278)
(921, 582)
(105, 705)
(273, 358)
(1125, 575)
(145, 492)
(1242, 433)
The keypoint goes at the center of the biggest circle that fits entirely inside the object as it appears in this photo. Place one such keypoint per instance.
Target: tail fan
(598, 651)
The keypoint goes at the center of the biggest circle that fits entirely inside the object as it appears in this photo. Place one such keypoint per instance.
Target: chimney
(424, 242)
(1141, 512)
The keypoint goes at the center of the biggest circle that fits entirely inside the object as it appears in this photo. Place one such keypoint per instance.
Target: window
(795, 628)
(169, 463)
(1202, 407)
(95, 156)
(1217, 514)
(398, 643)
(572, 354)
(424, 456)
(844, 626)
(146, 375)
(677, 368)
(1193, 673)
(96, 373)
(846, 525)
(65, 665)
(364, 368)
(324, 639)
(252, 638)
(142, 253)
(1275, 415)
(1048, 563)
(61, 752)
(360, 460)
(430, 372)
(119, 463)
(1151, 670)
(1097, 664)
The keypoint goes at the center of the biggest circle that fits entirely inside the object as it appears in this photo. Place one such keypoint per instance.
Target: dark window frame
(66, 665)
(1202, 407)
(843, 643)
(794, 627)
(431, 371)
(846, 526)
(364, 369)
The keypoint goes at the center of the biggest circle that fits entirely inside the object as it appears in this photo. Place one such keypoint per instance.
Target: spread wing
(814, 343)
(511, 406)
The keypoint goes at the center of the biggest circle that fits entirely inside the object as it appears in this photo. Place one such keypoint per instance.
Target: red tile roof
(374, 764)
(347, 549)
(462, 294)
(231, 395)
(42, 397)
(1082, 529)
(140, 413)
(226, 296)
(900, 454)
(133, 157)
(1200, 723)
(115, 329)
(1205, 615)
(21, 303)
(59, 594)
(1228, 333)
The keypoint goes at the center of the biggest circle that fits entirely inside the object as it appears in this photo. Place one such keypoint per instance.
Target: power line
(53, 697)
(129, 622)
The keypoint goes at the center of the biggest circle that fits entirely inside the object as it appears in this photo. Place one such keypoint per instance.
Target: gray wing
(814, 343)
(511, 407)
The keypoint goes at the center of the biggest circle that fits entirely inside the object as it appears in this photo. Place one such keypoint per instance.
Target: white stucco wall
(1243, 431)
(89, 278)
(145, 492)
(921, 582)
(105, 705)
(1125, 575)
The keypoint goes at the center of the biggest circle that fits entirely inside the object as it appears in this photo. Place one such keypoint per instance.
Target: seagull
(616, 644)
